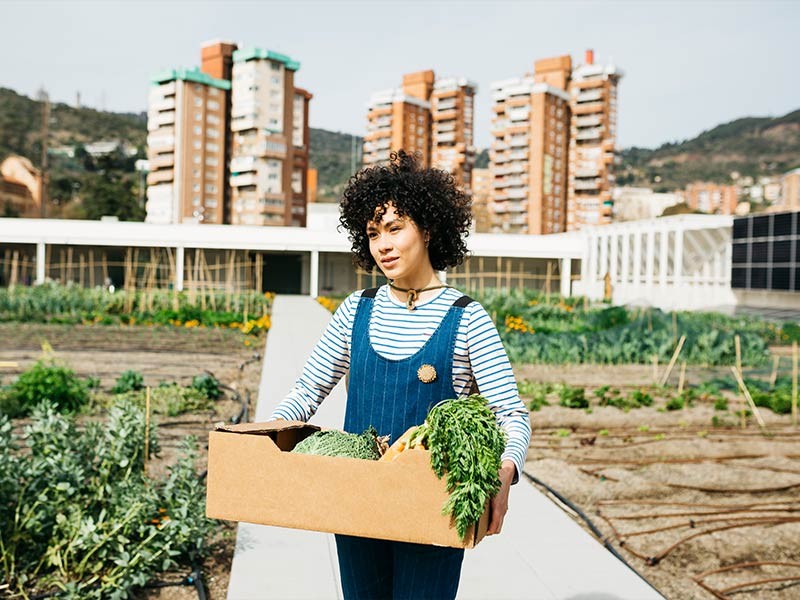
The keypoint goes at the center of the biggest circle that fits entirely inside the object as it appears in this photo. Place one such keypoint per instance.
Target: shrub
(572, 397)
(676, 403)
(721, 403)
(129, 381)
(208, 385)
(45, 380)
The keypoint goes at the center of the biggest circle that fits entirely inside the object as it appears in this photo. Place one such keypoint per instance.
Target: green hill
(753, 146)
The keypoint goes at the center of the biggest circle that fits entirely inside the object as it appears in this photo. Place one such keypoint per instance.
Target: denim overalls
(389, 395)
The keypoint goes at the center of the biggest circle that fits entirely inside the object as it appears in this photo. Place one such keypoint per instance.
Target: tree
(110, 193)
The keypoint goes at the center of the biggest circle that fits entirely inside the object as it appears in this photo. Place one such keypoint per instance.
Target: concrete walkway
(541, 553)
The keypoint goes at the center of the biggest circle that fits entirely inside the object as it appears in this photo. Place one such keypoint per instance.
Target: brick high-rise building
(433, 118)
(593, 132)
(186, 147)
(217, 61)
(528, 156)
(229, 143)
(269, 121)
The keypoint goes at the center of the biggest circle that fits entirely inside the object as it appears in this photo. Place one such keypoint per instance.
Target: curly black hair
(429, 197)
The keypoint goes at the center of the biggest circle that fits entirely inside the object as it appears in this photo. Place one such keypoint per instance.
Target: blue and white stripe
(397, 333)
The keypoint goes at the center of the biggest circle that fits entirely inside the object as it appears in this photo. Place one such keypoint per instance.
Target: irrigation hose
(567, 502)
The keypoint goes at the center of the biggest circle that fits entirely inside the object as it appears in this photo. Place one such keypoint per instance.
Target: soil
(650, 463)
(613, 465)
(159, 354)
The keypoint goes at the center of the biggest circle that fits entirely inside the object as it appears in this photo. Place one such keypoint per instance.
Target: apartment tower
(186, 147)
(431, 117)
(529, 151)
(217, 61)
(269, 125)
(452, 114)
(593, 131)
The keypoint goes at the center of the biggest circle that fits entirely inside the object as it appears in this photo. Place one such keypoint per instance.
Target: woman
(408, 345)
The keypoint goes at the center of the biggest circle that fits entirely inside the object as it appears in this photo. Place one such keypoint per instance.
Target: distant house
(20, 188)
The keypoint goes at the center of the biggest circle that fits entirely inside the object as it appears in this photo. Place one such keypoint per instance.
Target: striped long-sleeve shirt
(396, 333)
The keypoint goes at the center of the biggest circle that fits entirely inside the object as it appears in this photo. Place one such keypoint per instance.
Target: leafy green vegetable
(466, 444)
(339, 443)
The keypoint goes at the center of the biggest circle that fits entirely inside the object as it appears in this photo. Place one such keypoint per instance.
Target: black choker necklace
(413, 294)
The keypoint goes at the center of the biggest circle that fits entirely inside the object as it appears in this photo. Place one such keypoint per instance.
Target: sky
(688, 64)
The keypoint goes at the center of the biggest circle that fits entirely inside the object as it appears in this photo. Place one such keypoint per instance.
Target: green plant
(129, 381)
(46, 380)
(572, 397)
(466, 444)
(721, 403)
(638, 398)
(171, 399)
(208, 385)
(93, 383)
(676, 403)
(80, 518)
(339, 443)
(537, 391)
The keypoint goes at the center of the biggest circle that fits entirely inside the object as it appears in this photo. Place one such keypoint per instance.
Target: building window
(196, 187)
(211, 188)
(198, 116)
(198, 102)
(197, 159)
(212, 147)
(198, 130)
(196, 201)
(275, 66)
(276, 80)
(213, 133)
(213, 91)
(197, 144)
(212, 161)
(213, 105)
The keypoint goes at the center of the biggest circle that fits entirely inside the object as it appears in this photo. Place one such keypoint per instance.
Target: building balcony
(449, 104)
(160, 176)
(380, 111)
(243, 180)
(161, 161)
(587, 172)
(517, 193)
(589, 134)
(445, 115)
(243, 124)
(444, 138)
(518, 141)
(588, 108)
(161, 141)
(592, 184)
(162, 103)
(242, 164)
(588, 121)
(590, 95)
(499, 146)
(519, 114)
(518, 154)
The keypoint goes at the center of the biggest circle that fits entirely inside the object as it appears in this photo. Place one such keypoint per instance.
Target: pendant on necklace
(412, 298)
(426, 373)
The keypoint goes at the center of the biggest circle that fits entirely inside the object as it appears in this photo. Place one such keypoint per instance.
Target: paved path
(541, 554)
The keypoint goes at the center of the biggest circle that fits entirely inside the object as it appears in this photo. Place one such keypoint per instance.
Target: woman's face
(397, 245)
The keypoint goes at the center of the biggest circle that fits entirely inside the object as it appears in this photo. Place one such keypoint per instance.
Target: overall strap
(369, 292)
(463, 301)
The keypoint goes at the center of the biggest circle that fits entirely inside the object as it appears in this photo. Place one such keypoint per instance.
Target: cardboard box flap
(266, 428)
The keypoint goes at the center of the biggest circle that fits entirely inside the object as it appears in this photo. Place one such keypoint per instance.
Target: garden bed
(160, 354)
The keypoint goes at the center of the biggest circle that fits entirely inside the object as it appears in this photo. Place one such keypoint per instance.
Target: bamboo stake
(738, 343)
(146, 427)
(776, 360)
(480, 283)
(70, 275)
(63, 266)
(14, 263)
(674, 326)
(81, 267)
(521, 275)
(655, 368)
(672, 360)
(105, 268)
(6, 265)
(547, 282)
(794, 383)
(508, 275)
(682, 378)
(738, 374)
(498, 273)
(91, 269)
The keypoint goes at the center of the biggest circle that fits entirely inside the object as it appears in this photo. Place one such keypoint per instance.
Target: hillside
(751, 146)
(21, 123)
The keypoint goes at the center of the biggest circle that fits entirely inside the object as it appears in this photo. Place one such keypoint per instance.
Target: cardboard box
(253, 477)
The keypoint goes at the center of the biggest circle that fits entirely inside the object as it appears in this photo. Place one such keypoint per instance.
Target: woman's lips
(388, 262)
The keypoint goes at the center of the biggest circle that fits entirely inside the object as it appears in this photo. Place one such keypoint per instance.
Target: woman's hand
(500, 502)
